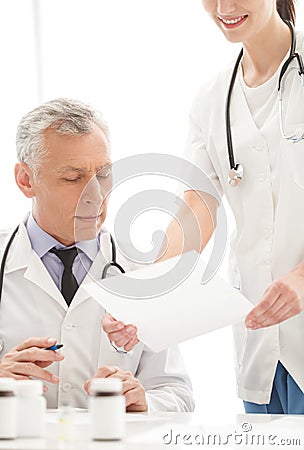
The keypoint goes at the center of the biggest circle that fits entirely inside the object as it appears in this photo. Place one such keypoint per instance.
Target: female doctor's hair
(65, 116)
(286, 10)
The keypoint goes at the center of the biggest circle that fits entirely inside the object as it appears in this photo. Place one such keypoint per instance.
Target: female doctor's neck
(264, 52)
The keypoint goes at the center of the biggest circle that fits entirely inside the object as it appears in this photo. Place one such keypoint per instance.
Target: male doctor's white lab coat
(268, 206)
(32, 305)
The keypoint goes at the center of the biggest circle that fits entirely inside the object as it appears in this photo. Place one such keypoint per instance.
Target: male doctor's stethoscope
(236, 170)
(109, 265)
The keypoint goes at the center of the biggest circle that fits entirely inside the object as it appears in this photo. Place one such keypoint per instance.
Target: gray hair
(65, 116)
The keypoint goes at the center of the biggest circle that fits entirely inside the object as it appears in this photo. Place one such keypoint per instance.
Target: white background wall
(138, 61)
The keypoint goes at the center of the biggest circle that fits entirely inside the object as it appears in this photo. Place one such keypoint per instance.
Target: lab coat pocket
(297, 162)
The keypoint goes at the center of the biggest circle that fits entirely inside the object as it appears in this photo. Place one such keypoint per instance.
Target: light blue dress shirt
(42, 242)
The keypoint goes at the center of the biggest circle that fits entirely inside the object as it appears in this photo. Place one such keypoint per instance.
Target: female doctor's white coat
(32, 305)
(268, 206)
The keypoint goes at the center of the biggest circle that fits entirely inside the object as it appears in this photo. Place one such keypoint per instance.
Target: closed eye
(72, 180)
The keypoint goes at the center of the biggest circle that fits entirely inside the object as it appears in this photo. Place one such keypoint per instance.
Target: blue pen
(54, 347)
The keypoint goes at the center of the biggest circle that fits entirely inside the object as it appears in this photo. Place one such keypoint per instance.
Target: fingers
(36, 342)
(131, 344)
(7, 374)
(86, 386)
(132, 389)
(105, 371)
(102, 372)
(43, 364)
(136, 400)
(125, 337)
(36, 354)
(257, 313)
(110, 325)
(280, 302)
(128, 384)
(29, 359)
(278, 316)
(29, 369)
(135, 396)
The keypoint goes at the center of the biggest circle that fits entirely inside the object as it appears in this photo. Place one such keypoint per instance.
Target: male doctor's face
(68, 201)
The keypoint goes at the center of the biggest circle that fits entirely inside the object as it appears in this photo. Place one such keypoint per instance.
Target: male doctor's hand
(123, 336)
(29, 359)
(133, 391)
(283, 299)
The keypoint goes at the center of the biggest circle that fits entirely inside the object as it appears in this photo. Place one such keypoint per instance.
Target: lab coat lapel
(37, 273)
(22, 256)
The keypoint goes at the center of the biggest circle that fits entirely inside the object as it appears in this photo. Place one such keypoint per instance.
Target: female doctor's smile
(232, 22)
(241, 20)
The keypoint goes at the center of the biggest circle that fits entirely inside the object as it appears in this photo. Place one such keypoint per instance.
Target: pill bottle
(8, 409)
(31, 408)
(106, 409)
(66, 423)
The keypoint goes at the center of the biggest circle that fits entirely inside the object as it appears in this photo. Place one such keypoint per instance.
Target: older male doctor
(62, 146)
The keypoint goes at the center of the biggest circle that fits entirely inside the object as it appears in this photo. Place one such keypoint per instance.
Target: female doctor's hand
(283, 299)
(29, 359)
(123, 336)
(133, 391)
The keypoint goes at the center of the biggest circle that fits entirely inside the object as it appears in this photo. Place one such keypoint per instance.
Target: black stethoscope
(236, 170)
(107, 267)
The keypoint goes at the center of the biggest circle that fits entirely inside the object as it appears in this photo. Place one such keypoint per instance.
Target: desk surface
(173, 431)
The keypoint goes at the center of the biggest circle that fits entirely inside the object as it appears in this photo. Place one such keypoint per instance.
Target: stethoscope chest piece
(235, 175)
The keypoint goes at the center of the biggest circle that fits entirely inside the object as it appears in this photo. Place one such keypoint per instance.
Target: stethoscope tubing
(4, 258)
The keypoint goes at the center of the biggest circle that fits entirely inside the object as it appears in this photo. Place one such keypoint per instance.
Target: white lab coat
(32, 305)
(269, 238)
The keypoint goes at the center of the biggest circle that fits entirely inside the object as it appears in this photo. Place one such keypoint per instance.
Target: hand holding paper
(199, 308)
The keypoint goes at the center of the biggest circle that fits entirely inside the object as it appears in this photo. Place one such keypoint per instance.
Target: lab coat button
(68, 326)
(66, 387)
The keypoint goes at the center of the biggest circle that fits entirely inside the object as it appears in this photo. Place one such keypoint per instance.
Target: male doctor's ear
(24, 179)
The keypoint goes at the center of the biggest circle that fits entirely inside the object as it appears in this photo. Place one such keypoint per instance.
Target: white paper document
(186, 311)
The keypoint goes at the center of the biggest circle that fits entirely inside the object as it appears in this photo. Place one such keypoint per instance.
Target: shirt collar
(42, 242)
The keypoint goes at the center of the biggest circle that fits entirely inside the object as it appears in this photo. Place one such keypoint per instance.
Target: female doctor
(254, 153)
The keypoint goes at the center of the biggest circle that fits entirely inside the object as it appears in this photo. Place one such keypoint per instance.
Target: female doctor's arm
(283, 299)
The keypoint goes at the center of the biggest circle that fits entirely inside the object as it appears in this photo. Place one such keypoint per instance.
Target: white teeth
(232, 21)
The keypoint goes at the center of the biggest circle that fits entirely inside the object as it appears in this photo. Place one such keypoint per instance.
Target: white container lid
(106, 385)
(25, 388)
(7, 384)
